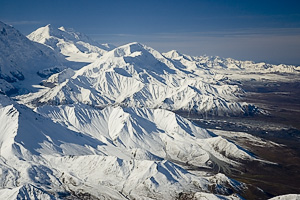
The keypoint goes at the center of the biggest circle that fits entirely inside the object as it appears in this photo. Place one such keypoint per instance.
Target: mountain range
(126, 152)
(83, 120)
(136, 75)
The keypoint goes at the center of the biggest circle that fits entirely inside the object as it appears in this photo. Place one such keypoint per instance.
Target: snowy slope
(74, 45)
(26, 191)
(287, 197)
(137, 75)
(113, 153)
(148, 134)
(21, 60)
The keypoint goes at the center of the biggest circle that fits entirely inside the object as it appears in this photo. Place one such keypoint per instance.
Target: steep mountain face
(21, 60)
(74, 45)
(136, 75)
(114, 153)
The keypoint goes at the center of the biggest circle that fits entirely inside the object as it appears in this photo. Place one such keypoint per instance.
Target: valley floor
(274, 138)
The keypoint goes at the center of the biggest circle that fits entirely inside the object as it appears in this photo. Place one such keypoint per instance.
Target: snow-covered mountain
(74, 45)
(227, 64)
(114, 153)
(107, 130)
(21, 60)
(137, 75)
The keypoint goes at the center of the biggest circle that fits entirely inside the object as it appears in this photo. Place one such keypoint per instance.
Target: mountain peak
(135, 43)
(62, 28)
(47, 28)
(74, 45)
(134, 46)
(50, 31)
(173, 54)
(128, 49)
(41, 33)
(20, 59)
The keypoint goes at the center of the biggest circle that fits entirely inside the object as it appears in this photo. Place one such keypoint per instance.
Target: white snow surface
(287, 197)
(137, 75)
(113, 153)
(218, 63)
(26, 191)
(21, 60)
(74, 45)
(209, 196)
(149, 134)
(229, 69)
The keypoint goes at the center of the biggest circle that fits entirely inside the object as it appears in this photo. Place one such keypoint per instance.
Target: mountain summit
(74, 45)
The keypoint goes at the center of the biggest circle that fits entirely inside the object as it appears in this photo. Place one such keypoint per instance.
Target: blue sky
(248, 30)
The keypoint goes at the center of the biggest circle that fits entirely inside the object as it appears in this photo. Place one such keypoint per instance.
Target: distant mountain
(23, 62)
(114, 153)
(217, 63)
(73, 45)
(137, 75)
